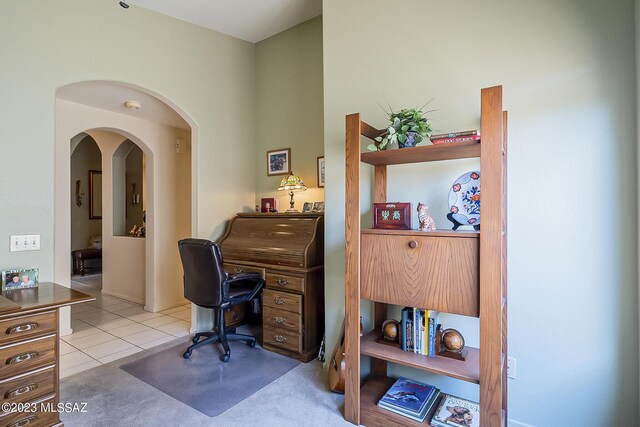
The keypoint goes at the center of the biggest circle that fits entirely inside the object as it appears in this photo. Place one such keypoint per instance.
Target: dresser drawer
(239, 268)
(434, 272)
(22, 357)
(28, 387)
(282, 338)
(37, 418)
(276, 318)
(282, 300)
(24, 327)
(285, 282)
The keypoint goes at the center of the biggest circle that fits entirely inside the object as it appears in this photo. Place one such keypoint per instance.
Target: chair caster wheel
(195, 340)
(252, 343)
(186, 354)
(226, 357)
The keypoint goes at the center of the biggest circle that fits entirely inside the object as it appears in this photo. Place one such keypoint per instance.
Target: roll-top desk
(29, 354)
(288, 250)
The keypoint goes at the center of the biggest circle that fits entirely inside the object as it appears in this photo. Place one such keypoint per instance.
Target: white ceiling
(112, 96)
(251, 20)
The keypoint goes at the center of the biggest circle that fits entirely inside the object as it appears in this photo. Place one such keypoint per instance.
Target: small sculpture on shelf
(450, 343)
(390, 330)
(426, 221)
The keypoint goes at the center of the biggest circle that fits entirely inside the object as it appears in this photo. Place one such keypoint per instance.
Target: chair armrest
(241, 277)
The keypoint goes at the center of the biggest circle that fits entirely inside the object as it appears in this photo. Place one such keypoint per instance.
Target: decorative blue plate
(464, 199)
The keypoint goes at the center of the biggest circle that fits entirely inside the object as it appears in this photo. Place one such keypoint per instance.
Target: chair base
(214, 337)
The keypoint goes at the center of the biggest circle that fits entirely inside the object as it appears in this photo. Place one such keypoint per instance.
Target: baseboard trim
(66, 332)
(172, 305)
(513, 423)
(124, 297)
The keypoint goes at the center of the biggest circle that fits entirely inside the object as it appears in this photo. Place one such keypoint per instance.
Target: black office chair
(207, 285)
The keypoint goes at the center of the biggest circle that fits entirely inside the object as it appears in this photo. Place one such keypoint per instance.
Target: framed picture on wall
(279, 162)
(321, 171)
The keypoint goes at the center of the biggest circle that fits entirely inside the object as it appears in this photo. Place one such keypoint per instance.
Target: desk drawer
(275, 318)
(25, 327)
(285, 282)
(38, 418)
(282, 300)
(239, 268)
(435, 272)
(28, 387)
(22, 357)
(282, 338)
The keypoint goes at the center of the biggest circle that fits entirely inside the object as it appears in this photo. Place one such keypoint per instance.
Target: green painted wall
(46, 45)
(289, 108)
(568, 70)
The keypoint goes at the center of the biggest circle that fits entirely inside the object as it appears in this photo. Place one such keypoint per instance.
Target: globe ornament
(450, 343)
(452, 340)
(390, 330)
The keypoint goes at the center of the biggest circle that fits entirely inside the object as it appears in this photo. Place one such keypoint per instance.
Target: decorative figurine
(450, 343)
(426, 222)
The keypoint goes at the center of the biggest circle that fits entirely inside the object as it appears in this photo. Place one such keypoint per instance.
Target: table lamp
(293, 184)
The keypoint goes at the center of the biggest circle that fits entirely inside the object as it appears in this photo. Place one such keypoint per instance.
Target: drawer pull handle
(22, 390)
(280, 320)
(24, 422)
(238, 270)
(22, 357)
(282, 282)
(413, 244)
(279, 301)
(22, 328)
(280, 338)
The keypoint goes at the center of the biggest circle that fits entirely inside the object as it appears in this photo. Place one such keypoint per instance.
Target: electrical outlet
(25, 242)
(511, 367)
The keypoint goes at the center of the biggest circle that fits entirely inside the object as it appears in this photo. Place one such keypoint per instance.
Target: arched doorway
(169, 209)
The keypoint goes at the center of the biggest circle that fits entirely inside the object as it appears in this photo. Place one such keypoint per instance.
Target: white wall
(569, 85)
(127, 265)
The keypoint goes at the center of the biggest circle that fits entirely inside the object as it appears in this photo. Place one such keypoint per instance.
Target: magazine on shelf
(455, 411)
(408, 396)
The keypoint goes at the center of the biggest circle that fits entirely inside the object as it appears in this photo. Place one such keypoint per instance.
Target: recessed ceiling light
(133, 105)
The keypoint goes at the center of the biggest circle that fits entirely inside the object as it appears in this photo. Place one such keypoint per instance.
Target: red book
(456, 139)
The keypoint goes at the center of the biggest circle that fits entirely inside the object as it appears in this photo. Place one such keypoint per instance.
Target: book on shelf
(454, 134)
(456, 139)
(434, 316)
(409, 398)
(455, 411)
(403, 328)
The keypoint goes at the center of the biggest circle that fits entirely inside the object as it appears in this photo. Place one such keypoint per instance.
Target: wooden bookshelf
(469, 370)
(426, 153)
(380, 268)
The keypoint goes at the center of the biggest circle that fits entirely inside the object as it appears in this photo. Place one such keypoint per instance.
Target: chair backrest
(203, 273)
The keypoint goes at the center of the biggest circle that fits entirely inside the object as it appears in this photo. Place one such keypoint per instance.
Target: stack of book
(456, 412)
(464, 136)
(410, 398)
(418, 330)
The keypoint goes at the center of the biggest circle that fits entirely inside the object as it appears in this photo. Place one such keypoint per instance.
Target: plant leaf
(372, 147)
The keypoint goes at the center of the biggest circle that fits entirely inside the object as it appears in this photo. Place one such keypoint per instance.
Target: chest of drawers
(288, 250)
(29, 354)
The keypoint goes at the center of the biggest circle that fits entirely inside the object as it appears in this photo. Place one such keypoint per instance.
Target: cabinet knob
(282, 282)
(279, 301)
(413, 244)
(280, 338)
(22, 328)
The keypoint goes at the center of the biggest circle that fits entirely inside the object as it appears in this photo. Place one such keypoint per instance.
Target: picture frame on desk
(19, 279)
(269, 205)
(307, 207)
(392, 216)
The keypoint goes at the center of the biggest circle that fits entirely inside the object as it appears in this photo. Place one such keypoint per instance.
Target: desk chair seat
(207, 285)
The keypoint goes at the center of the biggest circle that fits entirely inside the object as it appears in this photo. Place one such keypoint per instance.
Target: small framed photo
(19, 279)
(321, 171)
(392, 216)
(307, 207)
(268, 205)
(318, 207)
(279, 162)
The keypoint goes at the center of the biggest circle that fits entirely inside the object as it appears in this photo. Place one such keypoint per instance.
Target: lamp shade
(292, 183)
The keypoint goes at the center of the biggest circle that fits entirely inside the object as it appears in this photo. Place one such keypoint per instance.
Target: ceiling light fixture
(133, 105)
(124, 4)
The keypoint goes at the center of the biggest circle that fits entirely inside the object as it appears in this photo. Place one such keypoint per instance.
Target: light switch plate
(25, 242)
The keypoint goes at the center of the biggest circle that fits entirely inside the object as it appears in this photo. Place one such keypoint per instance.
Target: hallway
(111, 328)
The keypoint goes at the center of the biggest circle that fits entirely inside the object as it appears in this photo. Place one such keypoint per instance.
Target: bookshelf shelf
(469, 370)
(451, 272)
(427, 153)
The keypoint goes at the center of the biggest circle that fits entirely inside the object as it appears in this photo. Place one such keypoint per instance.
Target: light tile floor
(110, 328)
